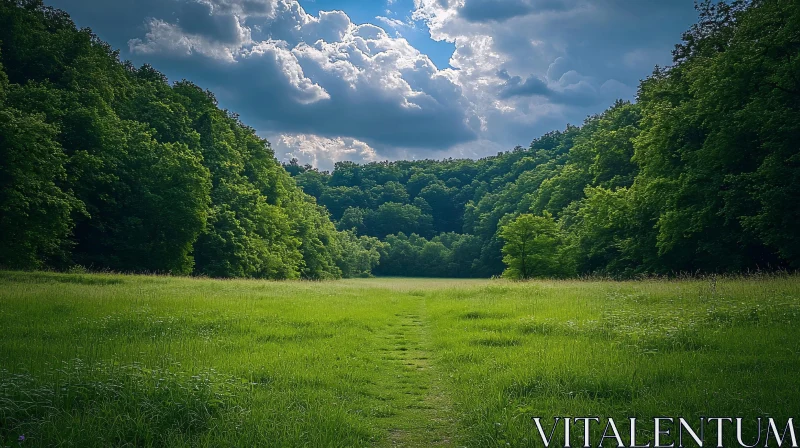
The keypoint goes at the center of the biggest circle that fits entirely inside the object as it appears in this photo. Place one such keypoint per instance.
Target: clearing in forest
(100, 360)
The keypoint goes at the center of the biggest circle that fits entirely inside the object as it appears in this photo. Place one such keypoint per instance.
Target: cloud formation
(529, 64)
(323, 88)
(320, 75)
(321, 152)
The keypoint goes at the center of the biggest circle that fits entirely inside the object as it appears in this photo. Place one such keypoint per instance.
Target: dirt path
(422, 412)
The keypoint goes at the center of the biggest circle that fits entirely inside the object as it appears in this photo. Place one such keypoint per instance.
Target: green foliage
(598, 228)
(446, 255)
(36, 210)
(533, 247)
(147, 204)
(358, 254)
(108, 166)
(701, 174)
(718, 140)
(353, 219)
(393, 217)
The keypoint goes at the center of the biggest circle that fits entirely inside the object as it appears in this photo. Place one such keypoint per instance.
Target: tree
(391, 191)
(599, 230)
(718, 141)
(353, 219)
(36, 210)
(110, 166)
(445, 210)
(393, 217)
(533, 245)
(358, 255)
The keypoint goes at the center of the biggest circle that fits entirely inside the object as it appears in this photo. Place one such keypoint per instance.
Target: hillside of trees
(701, 174)
(108, 166)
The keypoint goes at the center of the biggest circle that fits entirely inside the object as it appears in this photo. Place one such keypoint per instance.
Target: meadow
(112, 360)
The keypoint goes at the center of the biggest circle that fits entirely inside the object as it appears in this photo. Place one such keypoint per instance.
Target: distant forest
(107, 166)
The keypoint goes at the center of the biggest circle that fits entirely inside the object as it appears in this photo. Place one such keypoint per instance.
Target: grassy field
(110, 360)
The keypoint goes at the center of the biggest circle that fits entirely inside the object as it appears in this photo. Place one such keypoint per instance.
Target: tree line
(109, 166)
(701, 174)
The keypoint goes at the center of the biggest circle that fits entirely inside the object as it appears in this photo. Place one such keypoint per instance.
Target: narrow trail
(422, 410)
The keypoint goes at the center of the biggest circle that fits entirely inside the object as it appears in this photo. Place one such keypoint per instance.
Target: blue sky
(331, 80)
(367, 12)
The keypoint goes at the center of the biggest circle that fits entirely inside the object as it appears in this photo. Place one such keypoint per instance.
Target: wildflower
(21, 438)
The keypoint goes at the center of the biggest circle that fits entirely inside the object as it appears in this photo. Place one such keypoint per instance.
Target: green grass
(111, 360)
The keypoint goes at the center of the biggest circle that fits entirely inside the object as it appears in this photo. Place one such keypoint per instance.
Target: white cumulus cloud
(295, 73)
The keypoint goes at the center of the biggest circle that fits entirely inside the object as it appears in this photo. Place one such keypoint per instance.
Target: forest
(700, 175)
(106, 166)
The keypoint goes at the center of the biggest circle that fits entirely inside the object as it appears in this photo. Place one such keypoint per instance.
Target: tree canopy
(700, 174)
(110, 166)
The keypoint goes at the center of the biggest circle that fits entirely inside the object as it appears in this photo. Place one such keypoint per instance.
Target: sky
(369, 80)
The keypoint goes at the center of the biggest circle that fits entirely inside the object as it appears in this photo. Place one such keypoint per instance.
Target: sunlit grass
(104, 360)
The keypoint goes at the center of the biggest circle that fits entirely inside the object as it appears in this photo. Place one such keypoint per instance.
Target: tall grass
(112, 360)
